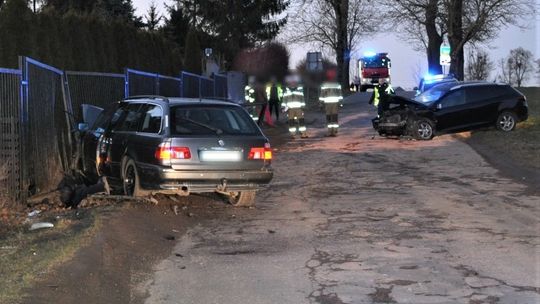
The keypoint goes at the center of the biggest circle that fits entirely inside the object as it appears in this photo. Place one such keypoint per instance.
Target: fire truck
(372, 67)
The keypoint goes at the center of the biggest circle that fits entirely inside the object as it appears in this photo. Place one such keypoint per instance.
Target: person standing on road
(293, 99)
(274, 94)
(381, 96)
(261, 98)
(249, 96)
(331, 97)
(356, 82)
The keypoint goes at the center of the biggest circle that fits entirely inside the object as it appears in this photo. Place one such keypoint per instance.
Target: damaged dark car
(452, 108)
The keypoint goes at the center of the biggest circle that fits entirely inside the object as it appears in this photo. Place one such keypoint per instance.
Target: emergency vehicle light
(370, 54)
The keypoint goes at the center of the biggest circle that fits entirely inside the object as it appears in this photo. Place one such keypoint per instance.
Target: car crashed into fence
(453, 107)
(154, 144)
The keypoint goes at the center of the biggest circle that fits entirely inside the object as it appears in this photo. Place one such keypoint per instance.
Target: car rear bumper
(155, 178)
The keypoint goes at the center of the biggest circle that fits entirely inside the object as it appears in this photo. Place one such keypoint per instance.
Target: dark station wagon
(177, 145)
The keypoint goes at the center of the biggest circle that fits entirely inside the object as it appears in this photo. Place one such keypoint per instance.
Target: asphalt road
(353, 219)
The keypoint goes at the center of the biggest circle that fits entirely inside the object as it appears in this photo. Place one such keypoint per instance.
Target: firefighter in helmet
(381, 96)
(249, 96)
(293, 100)
(331, 97)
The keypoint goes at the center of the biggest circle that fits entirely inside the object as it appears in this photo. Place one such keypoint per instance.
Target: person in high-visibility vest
(381, 96)
(293, 100)
(331, 97)
(274, 93)
(249, 96)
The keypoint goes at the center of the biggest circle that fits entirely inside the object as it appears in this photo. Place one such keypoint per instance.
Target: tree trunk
(434, 38)
(455, 37)
(341, 8)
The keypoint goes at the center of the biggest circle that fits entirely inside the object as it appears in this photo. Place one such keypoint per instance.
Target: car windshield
(434, 93)
(211, 120)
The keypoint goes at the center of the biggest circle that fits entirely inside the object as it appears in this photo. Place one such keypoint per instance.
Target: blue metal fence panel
(170, 86)
(98, 89)
(206, 87)
(220, 86)
(141, 83)
(190, 85)
(11, 175)
(46, 129)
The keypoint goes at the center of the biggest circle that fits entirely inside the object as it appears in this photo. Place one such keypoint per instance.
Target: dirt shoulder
(129, 241)
(514, 154)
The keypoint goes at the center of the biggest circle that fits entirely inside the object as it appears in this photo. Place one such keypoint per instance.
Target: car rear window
(210, 120)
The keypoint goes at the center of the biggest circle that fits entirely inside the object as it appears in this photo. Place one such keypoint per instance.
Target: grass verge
(25, 256)
(522, 145)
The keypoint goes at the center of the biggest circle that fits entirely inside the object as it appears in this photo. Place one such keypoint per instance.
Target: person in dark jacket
(381, 96)
(73, 190)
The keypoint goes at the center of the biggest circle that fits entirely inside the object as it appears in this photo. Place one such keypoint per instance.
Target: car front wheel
(506, 121)
(423, 129)
(243, 198)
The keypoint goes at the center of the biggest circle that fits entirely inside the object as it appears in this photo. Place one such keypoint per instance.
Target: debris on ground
(41, 225)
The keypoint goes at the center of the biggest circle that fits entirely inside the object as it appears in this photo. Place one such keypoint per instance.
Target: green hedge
(82, 42)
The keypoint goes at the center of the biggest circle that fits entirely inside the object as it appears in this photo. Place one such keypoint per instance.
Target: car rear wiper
(200, 124)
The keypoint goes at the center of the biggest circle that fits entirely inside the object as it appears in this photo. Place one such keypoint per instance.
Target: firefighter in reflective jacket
(293, 100)
(274, 93)
(249, 96)
(331, 97)
(381, 96)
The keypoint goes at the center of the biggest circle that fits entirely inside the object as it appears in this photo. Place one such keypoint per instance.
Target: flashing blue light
(370, 54)
(428, 78)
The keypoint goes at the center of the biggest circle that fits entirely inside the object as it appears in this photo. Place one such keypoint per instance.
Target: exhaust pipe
(183, 191)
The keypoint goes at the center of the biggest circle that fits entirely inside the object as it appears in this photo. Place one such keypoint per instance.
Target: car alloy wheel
(507, 122)
(425, 130)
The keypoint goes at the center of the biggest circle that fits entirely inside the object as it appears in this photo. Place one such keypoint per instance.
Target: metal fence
(98, 89)
(46, 118)
(207, 87)
(10, 136)
(220, 86)
(169, 86)
(190, 85)
(141, 83)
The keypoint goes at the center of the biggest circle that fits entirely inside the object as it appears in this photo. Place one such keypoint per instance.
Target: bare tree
(523, 64)
(537, 67)
(507, 73)
(479, 21)
(479, 65)
(422, 25)
(337, 25)
(517, 67)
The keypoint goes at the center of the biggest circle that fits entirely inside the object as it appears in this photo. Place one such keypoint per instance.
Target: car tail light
(167, 152)
(263, 153)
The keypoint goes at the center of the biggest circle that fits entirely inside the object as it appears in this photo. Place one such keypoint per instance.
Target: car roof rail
(148, 97)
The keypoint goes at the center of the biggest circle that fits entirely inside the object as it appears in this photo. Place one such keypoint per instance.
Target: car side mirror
(82, 127)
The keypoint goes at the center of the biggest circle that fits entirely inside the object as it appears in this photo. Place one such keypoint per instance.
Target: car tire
(423, 129)
(243, 199)
(506, 121)
(130, 178)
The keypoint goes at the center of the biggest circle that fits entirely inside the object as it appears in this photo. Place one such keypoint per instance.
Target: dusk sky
(405, 61)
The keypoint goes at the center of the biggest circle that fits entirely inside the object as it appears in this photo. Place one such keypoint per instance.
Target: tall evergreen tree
(192, 54)
(235, 24)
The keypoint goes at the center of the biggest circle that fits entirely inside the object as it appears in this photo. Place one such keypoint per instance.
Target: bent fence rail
(40, 104)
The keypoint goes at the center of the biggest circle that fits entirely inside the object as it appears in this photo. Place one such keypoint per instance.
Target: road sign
(314, 61)
(445, 55)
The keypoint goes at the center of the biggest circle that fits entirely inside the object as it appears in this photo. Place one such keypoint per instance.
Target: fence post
(157, 85)
(23, 125)
(126, 83)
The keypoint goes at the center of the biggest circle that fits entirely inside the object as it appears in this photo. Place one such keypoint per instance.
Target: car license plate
(220, 156)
